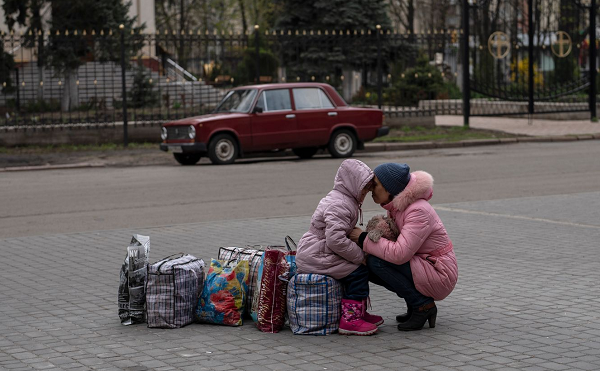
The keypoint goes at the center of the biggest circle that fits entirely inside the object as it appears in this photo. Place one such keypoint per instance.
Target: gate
(529, 56)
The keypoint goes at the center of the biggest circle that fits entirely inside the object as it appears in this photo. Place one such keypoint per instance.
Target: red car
(302, 116)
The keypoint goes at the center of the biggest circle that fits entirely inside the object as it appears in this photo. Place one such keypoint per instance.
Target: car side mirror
(257, 110)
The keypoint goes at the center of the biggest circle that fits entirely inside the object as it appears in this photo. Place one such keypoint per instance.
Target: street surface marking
(516, 217)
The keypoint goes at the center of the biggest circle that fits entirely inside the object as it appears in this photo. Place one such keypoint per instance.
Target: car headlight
(163, 133)
(192, 132)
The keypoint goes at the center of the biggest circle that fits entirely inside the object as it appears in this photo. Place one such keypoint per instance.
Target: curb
(381, 147)
(372, 147)
(51, 167)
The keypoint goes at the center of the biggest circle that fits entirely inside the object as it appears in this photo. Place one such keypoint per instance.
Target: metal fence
(530, 57)
(164, 77)
(112, 77)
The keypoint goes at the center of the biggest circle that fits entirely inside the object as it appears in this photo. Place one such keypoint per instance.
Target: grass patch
(66, 148)
(439, 134)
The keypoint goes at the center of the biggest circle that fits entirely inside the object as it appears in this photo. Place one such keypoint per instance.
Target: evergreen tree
(332, 53)
(66, 52)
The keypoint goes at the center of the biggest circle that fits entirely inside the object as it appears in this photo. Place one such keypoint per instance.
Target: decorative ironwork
(563, 44)
(527, 70)
(499, 45)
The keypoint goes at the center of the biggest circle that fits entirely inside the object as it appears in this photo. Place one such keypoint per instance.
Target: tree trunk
(244, 21)
(70, 96)
(411, 16)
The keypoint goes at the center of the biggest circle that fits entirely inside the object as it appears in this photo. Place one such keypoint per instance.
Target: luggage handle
(169, 258)
(289, 240)
(229, 261)
(239, 250)
(236, 255)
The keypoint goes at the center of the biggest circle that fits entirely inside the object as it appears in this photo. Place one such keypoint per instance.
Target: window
(325, 102)
(237, 101)
(274, 100)
(311, 98)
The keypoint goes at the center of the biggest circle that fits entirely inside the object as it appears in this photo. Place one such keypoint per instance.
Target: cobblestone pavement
(527, 299)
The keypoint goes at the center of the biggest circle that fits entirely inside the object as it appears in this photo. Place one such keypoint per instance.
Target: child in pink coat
(326, 249)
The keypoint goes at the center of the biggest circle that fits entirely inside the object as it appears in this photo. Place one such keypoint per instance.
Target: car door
(275, 127)
(316, 115)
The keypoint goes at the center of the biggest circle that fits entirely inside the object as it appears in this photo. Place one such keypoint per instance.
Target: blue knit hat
(393, 177)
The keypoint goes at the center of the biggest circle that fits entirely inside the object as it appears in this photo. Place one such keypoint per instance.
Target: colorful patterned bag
(253, 254)
(224, 295)
(174, 287)
(314, 304)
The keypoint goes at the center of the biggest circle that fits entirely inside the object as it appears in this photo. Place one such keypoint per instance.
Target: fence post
(256, 27)
(531, 55)
(123, 87)
(17, 84)
(593, 54)
(379, 72)
(466, 87)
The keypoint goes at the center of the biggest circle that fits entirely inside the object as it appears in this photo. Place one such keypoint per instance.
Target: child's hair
(370, 185)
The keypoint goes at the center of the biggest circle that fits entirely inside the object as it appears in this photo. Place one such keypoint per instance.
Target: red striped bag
(271, 304)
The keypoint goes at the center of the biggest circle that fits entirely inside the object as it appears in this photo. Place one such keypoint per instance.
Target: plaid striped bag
(251, 254)
(174, 286)
(314, 304)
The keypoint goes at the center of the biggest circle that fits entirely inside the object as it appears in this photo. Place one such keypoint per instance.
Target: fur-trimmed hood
(419, 187)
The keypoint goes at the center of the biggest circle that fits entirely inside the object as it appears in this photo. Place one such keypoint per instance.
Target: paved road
(64, 201)
(524, 219)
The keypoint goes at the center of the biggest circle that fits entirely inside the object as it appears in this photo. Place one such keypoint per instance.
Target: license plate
(175, 149)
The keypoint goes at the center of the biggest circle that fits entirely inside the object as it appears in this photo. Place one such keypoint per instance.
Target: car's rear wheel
(223, 149)
(306, 152)
(342, 144)
(187, 158)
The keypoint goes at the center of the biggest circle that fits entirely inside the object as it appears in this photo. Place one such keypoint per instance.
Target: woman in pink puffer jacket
(326, 249)
(420, 265)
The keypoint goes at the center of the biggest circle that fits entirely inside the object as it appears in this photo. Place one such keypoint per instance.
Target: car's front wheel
(306, 152)
(187, 158)
(342, 144)
(223, 149)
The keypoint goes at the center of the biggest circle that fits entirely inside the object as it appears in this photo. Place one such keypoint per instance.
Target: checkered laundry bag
(253, 255)
(314, 304)
(174, 286)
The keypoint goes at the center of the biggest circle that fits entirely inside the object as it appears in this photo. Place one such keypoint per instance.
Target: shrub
(142, 93)
(419, 83)
(246, 69)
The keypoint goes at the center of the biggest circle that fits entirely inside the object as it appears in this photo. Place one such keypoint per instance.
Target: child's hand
(355, 234)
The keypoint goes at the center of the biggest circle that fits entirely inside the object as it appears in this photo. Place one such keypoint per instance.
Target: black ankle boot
(404, 317)
(427, 312)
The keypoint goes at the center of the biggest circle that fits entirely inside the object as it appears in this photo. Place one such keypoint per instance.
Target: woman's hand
(355, 234)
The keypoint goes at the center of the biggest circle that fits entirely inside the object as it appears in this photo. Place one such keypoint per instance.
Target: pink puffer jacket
(326, 248)
(423, 240)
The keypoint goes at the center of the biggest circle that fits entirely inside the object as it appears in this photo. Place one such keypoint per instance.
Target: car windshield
(237, 101)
